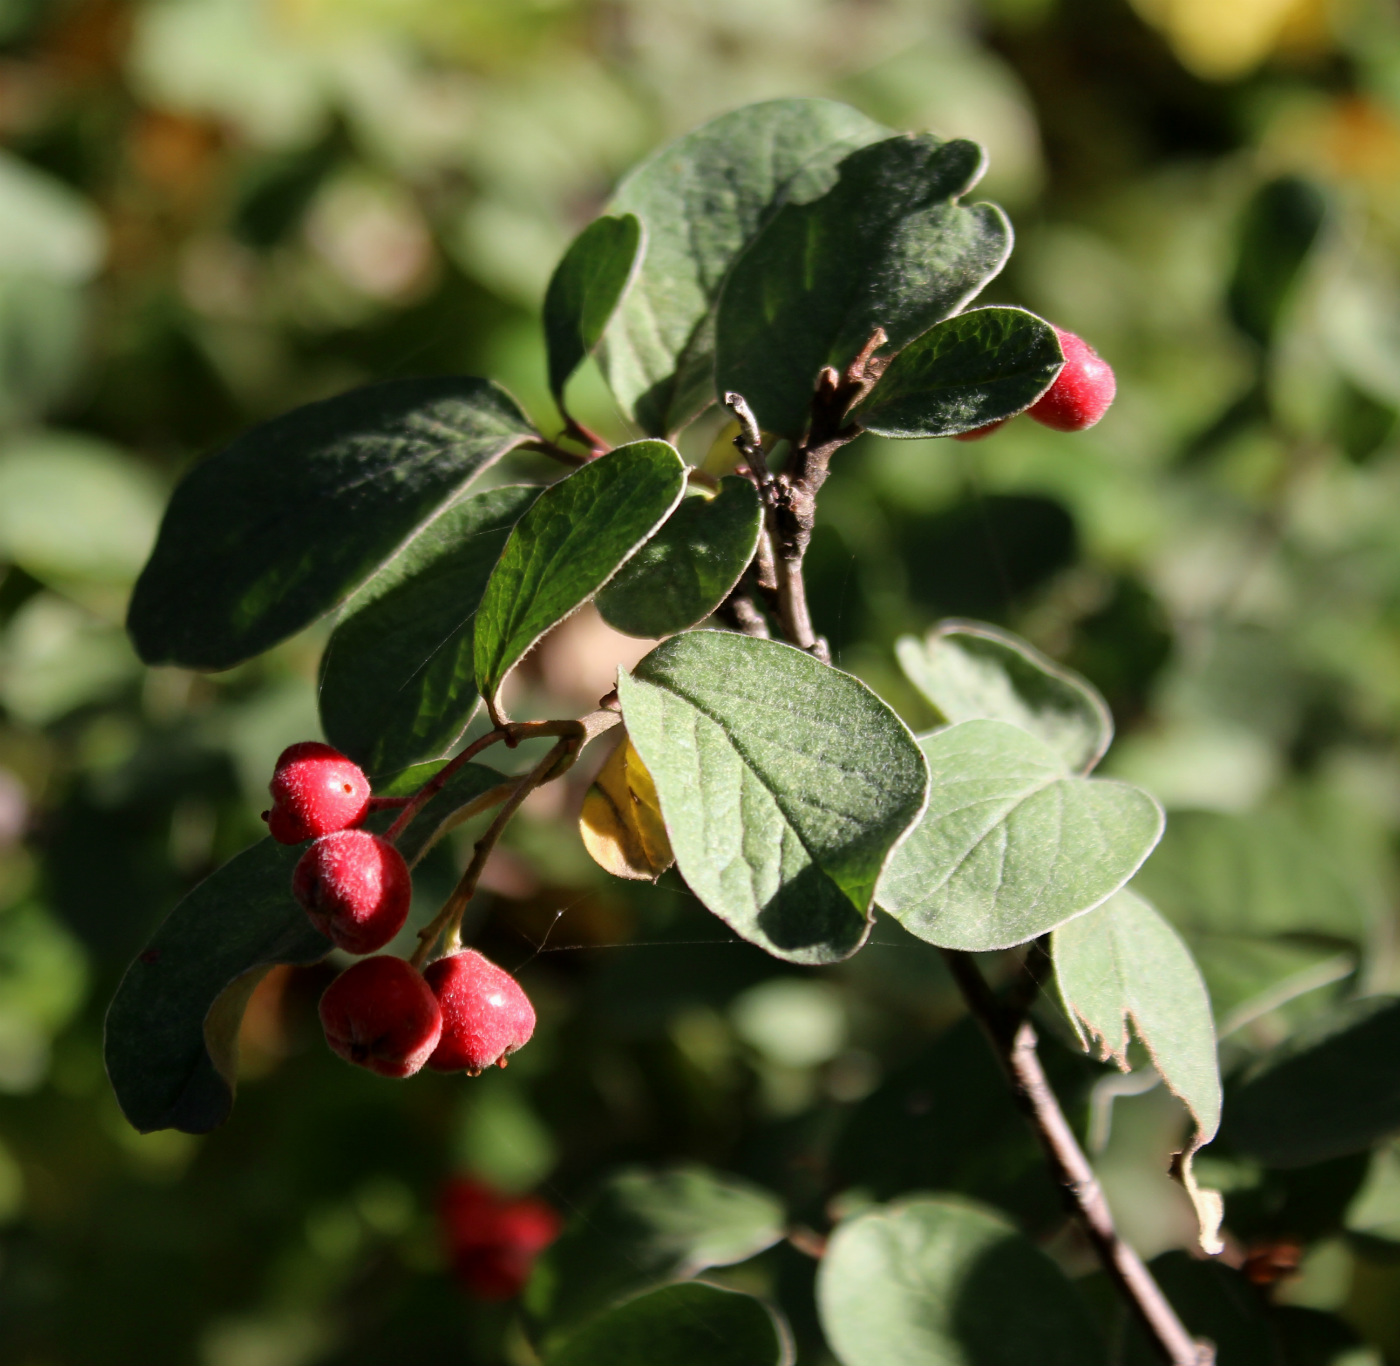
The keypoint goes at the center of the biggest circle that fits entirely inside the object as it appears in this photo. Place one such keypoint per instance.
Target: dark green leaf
(277, 528)
(1216, 1303)
(688, 567)
(971, 671)
(467, 784)
(702, 199)
(945, 1283)
(1013, 843)
(643, 1229)
(569, 544)
(397, 677)
(784, 784)
(979, 367)
(172, 1030)
(1279, 227)
(888, 246)
(681, 1325)
(585, 290)
(1332, 1088)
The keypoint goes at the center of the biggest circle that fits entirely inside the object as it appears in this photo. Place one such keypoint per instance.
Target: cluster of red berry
(462, 1013)
(1079, 396)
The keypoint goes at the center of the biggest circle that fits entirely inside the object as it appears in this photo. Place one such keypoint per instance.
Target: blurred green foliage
(212, 210)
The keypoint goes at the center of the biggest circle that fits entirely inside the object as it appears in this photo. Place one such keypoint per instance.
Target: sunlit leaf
(621, 823)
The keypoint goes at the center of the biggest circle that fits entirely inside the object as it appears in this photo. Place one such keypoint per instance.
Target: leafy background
(212, 210)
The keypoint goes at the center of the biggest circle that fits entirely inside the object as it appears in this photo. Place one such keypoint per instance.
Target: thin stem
(1013, 1040)
(557, 452)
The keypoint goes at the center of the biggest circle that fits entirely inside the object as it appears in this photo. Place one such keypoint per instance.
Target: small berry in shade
(315, 790)
(1082, 390)
(485, 1015)
(493, 1240)
(977, 433)
(356, 889)
(380, 1013)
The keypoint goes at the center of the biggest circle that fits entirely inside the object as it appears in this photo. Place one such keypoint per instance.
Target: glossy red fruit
(379, 1013)
(315, 790)
(356, 889)
(492, 1240)
(485, 1015)
(977, 433)
(1082, 390)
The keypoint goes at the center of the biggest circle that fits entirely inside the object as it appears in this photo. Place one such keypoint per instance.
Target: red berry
(380, 1014)
(356, 889)
(492, 1240)
(977, 433)
(485, 1015)
(315, 790)
(1082, 390)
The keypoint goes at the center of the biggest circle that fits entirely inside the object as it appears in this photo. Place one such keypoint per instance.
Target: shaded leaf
(689, 566)
(567, 546)
(972, 671)
(1331, 1088)
(585, 290)
(784, 784)
(171, 1055)
(702, 198)
(1215, 1302)
(888, 246)
(287, 521)
(1279, 226)
(468, 783)
(945, 1283)
(681, 1325)
(979, 367)
(1122, 965)
(620, 823)
(397, 678)
(1012, 844)
(645, 1228)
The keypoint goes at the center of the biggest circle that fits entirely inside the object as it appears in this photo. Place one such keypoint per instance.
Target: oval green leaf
(971, 671)
(681, 1325)
(982, 366)
(784, 784)
(397, 676)
(945, 1283)
(1012, 843)
(888, 246)
(585, 290)
(702, 198)
(643, 1229)
(569, 544)
(689, 567)
(171, 1056)
(282, 525)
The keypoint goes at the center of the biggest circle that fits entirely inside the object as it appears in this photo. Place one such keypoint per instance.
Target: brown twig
(1013, 1040)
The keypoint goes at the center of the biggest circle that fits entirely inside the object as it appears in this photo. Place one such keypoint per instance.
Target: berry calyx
(380, 1013)
(1082, 390)
(485, 1014)
(492, 1240)
(316, 791)
(355, 888)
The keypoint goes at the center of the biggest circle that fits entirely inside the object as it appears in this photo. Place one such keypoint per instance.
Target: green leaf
(1012, 843)
(889, 246)
(172, 1029)
(971, 671)
(277, 528)
(645, 1228)
(73, 508)
(1332, 1088)
(681, 1325)
(1124, 964)
(569, 544)
(702, 199)
(944, 1283)
(689, 566)
(979, 367)
(784, 784)
(1279, 226)
(397, 678)
(585, 290)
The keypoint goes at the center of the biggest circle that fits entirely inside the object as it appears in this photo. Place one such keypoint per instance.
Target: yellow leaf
(621, 821)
